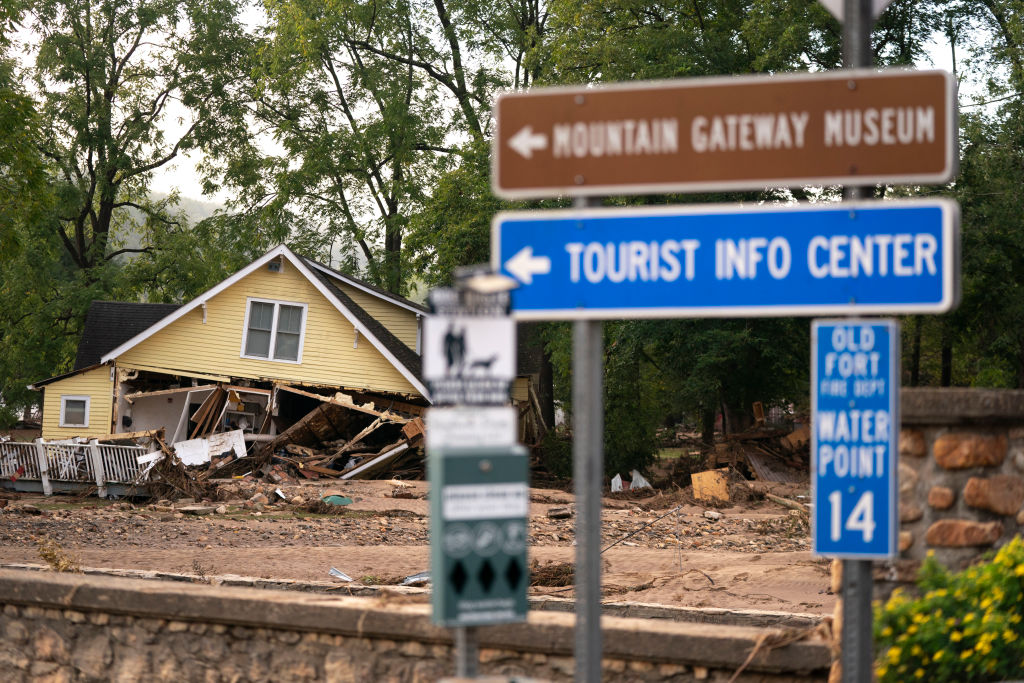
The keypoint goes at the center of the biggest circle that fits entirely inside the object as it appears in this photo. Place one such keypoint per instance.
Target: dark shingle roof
(406, 356)
(108, 324)
(380, 290)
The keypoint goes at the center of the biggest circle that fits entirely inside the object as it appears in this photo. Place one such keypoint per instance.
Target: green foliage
(965, 627)
(453, 228)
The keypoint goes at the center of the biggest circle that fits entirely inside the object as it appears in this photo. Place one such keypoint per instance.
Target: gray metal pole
(467, 652)
(857, 657)
(588, 475)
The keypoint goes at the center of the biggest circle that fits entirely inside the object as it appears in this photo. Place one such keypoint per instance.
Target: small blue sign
(854, 435)
(731, 260)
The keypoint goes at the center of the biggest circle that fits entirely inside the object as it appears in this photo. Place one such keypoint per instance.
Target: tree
(87, 131)
(370, 104)
(107, 74)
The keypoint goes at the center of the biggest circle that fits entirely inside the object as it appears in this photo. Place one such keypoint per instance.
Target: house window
(273, 330)
(74, 411)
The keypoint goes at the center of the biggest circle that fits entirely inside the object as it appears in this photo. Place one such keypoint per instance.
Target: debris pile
(768, 455)
(318, 436)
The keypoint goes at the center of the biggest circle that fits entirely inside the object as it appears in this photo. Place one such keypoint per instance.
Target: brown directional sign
(732, 133)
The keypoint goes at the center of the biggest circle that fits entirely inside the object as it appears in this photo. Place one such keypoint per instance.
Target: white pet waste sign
(855, 413)
(469, 346)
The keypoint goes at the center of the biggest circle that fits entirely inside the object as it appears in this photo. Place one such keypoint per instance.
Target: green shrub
(966, 626)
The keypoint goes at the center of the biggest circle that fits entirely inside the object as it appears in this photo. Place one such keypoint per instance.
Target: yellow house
(282, 321)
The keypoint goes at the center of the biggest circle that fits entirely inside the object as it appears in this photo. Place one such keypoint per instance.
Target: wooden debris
(345, 400)
(711, 485)
(797, 440)
(296, 449)
(758, 413)
(132, 436)
(786, 502)
(414, 428)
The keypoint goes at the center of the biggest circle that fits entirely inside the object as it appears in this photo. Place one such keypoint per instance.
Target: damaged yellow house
(282, 322)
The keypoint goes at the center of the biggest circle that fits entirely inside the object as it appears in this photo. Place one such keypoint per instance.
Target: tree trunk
(915, 352)
(707, 427)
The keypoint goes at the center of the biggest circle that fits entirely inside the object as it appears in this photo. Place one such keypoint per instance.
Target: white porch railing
(85, 463)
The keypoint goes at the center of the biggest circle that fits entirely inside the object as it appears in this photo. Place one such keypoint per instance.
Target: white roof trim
(372, 292)
(287, 253)
(191, 305)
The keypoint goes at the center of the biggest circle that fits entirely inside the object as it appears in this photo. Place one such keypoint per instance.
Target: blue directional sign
(731, 260)
(854, 432)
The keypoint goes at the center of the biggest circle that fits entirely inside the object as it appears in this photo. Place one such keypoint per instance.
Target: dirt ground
(756, 555)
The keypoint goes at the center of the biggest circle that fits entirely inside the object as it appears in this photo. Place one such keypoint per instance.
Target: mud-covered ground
(756, 555)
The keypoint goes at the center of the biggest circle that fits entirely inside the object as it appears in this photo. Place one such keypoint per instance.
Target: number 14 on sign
(861, 518)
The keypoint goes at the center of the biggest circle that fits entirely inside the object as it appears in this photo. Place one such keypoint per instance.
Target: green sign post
(478, 507)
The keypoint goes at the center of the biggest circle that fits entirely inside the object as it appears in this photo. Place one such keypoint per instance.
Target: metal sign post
(857, 658)
(588, 478)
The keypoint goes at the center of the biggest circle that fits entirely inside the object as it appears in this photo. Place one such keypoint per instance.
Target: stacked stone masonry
(57, 628)
(961, 473)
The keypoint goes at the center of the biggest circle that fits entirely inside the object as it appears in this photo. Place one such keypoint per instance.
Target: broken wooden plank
(372, 427)
(326, 471)
(132, 436)
(786, 502)
(392, 404)
(166, 392)
(309, 429)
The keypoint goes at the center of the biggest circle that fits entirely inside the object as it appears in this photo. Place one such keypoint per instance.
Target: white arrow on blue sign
(731, 261)
(854, 432)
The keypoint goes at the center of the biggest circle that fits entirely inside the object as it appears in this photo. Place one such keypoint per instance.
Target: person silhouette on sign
(455, 350)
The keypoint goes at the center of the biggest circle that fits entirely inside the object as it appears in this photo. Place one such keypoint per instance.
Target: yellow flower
(1019, 571)
(893, 654)
(938, 655)
(919, 673)
(965, 654)
(956, 636)
(887, 632)
(1009, 636)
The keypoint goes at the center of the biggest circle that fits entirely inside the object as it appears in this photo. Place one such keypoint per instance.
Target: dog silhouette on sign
(483, 364)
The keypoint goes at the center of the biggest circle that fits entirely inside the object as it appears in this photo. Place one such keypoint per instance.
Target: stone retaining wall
(74, 627)
(961, 473)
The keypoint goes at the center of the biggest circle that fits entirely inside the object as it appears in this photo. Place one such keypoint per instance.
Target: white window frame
(63, 404)
(273, 329)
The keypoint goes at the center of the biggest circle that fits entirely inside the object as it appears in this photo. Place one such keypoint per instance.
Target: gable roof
(371, 289)
(407, 356)
(108, 324)
(406, 361)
